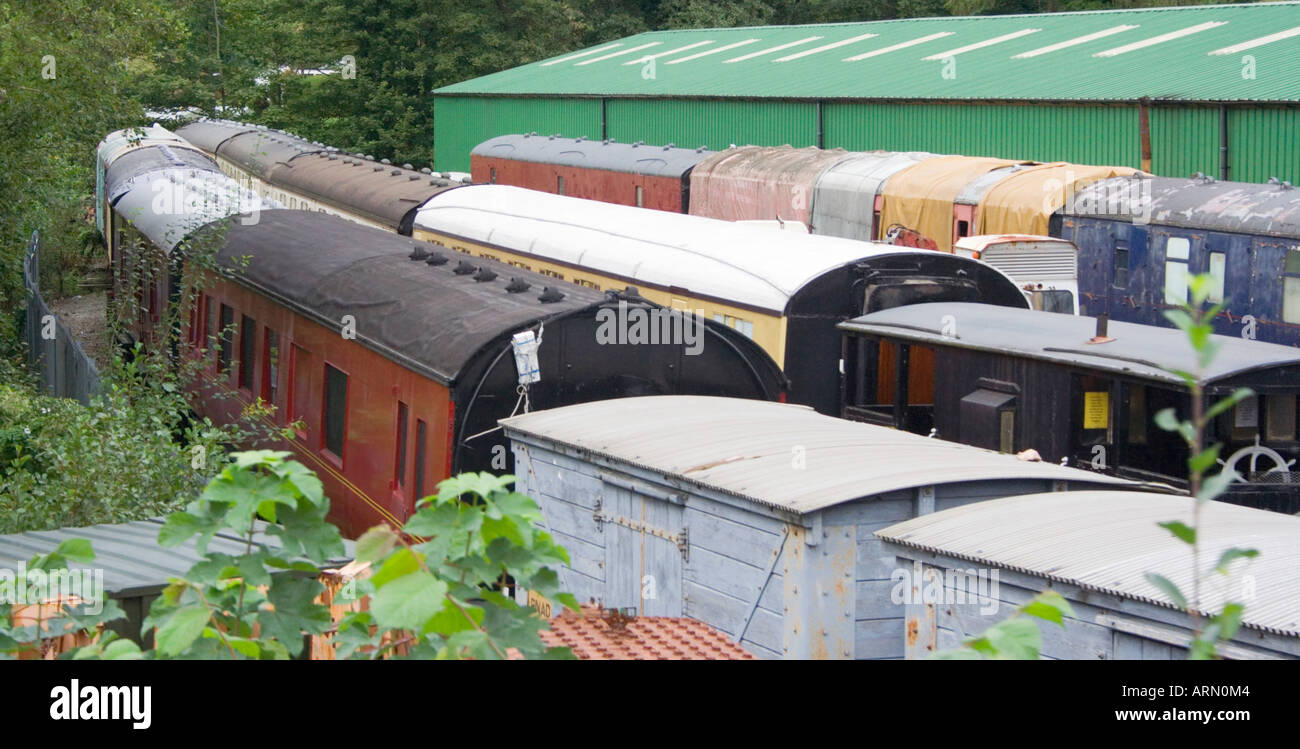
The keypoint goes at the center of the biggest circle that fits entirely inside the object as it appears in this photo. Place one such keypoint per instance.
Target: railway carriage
(393, 364)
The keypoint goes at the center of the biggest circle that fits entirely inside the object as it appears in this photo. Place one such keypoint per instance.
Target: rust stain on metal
(913, 631)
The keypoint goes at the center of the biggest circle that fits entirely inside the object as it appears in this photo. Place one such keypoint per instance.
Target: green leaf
(1229, 620)
(1049, 606)
(1216, 485)
(1232, 554)
(375, 543)
(1015, 639)
(77, 550)
(409, 602)
(177, 529)
(1205, 459)
(122, 650)
(1180, 530)
(1168, 588)
(399, 563)
(181, 629)
(1238, 395)
(1167, 419)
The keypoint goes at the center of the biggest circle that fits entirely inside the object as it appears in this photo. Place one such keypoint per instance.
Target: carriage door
(645, 549)
(1092, 420)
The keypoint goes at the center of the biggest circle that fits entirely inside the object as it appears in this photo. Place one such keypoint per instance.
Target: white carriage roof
(754, 266)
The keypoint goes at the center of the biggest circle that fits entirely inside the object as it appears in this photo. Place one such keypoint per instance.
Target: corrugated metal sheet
(1236, 207)
(1263, 143)
(843, 201)
(748, 265)
(1186, 53)
(714, 123)
(1108, 541)
(1184, 140)
(754, 183)
(745, 448)
(462, 123)
(1138, 350)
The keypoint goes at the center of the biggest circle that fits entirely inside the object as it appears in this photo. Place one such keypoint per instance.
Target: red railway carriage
(656, 177)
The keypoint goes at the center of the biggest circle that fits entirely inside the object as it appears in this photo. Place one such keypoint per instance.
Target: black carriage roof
(636, 158)
(1195, 203)
(1143, 351)
(424, 316)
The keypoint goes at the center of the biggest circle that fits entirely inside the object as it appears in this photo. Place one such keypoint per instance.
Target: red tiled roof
(606, 635)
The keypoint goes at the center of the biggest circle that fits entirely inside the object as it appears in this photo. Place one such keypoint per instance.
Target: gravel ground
(85, 316)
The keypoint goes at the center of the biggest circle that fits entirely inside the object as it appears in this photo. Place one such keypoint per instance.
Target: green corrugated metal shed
(1059, 86)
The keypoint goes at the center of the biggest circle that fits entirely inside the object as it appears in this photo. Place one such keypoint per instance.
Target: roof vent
(701, 149)
(413, 177)
(579, 139)
(426, 170)
(407, 166)
(467, 180)
(551, 137)
(550, 294)
(464, 268)
(368, 156)
(445, 175)
(385, 161)
(485, 275)
(1103, 322)
(518, 285)
(419, 253)
(669, 147)
(436, 258)
(1281, 183)
(378, 168)
(395, 172)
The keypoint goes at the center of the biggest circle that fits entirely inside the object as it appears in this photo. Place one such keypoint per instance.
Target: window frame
(326, 449)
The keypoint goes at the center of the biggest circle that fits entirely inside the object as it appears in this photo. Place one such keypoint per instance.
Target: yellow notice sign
(1096, 409)
(540, 603)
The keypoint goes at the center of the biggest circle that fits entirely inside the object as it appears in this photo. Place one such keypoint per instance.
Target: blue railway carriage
(1139, 239)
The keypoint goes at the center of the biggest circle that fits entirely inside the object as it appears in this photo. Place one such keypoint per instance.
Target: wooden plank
(878, 638)
(716, 609)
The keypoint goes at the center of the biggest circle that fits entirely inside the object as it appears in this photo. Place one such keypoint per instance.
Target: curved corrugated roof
(754, 266)
(745, 448)
(657, 161)
(1145, 351)
(1108, 541)
(843, 200)
(1236, 207)
(1181, 54)
(120, 142)
(210, 134)
(759, 183)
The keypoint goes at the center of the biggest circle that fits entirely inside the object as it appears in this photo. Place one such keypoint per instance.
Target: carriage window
(1120, 279)
(227, 334)
(336, 409)
(421, 438)
(270, 365)
(1280, 418)
(559, 185)
(1177, 250)
(639, 197)
(492, 176)
(208, 320)
(399, 470)
(963, 228)
(247, 337)
(1291, 288)
(1137, 414)
(1218, 267)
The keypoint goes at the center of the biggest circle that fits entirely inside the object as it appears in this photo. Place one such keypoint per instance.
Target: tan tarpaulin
(1025, 201)
(920, 196)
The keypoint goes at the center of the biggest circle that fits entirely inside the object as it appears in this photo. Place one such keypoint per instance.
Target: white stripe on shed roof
(1253, 43)
(777, 48)
(983, 44)
(714, 51)
(900, 45)
(1198, 28)
(824, 47)
(1075, 41)
(657, 55)
(745, 448)
(627, 51)
(1108, 541)
(597, 50)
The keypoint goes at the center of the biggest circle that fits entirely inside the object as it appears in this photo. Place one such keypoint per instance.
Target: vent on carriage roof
(419, 253)
(518, 285)
(436, 258)
(464, 268)
(485, 274)
(550, 294)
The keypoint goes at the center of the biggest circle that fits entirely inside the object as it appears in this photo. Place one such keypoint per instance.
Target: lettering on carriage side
(76, 702)
(639, 325)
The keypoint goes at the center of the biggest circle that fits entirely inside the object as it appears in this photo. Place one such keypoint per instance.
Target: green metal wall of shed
(1184, 140)
(1264, 143)
(1105, 135)
(691, 123)
(462, 122)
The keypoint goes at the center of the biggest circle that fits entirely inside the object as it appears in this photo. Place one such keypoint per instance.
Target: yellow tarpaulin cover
(1024, 202)
(920, 196)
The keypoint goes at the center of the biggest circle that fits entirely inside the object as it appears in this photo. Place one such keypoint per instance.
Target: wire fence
(53, 351)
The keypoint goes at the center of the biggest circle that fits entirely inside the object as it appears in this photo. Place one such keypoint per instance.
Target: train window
(746, 327)
(1280, 418)
(399, 469)
(1177, 250)
(421, 440)
(299, 396)
(227, 338)
(1291, 287)
(208, 320)
(1137, 414)
(640, 195)
(1120, 278)
(559, 185)
(247, 339)
(270, 365)
(336, 410)
(492, 176)
(963, 228)
(1218, 267)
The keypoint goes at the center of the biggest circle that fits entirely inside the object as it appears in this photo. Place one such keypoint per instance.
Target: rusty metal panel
(820, 593)
(757, 183)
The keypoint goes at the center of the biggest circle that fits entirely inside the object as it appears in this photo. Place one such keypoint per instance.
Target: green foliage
(1016, 637)
(1196, 322)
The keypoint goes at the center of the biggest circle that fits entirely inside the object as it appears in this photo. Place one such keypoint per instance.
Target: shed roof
(128, 553)
(744, 448)
(1143, 351)
(1107, 541)
(426, 316)
(1182, 53)
(749, 265)
(1210, 205)
(635, 158)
